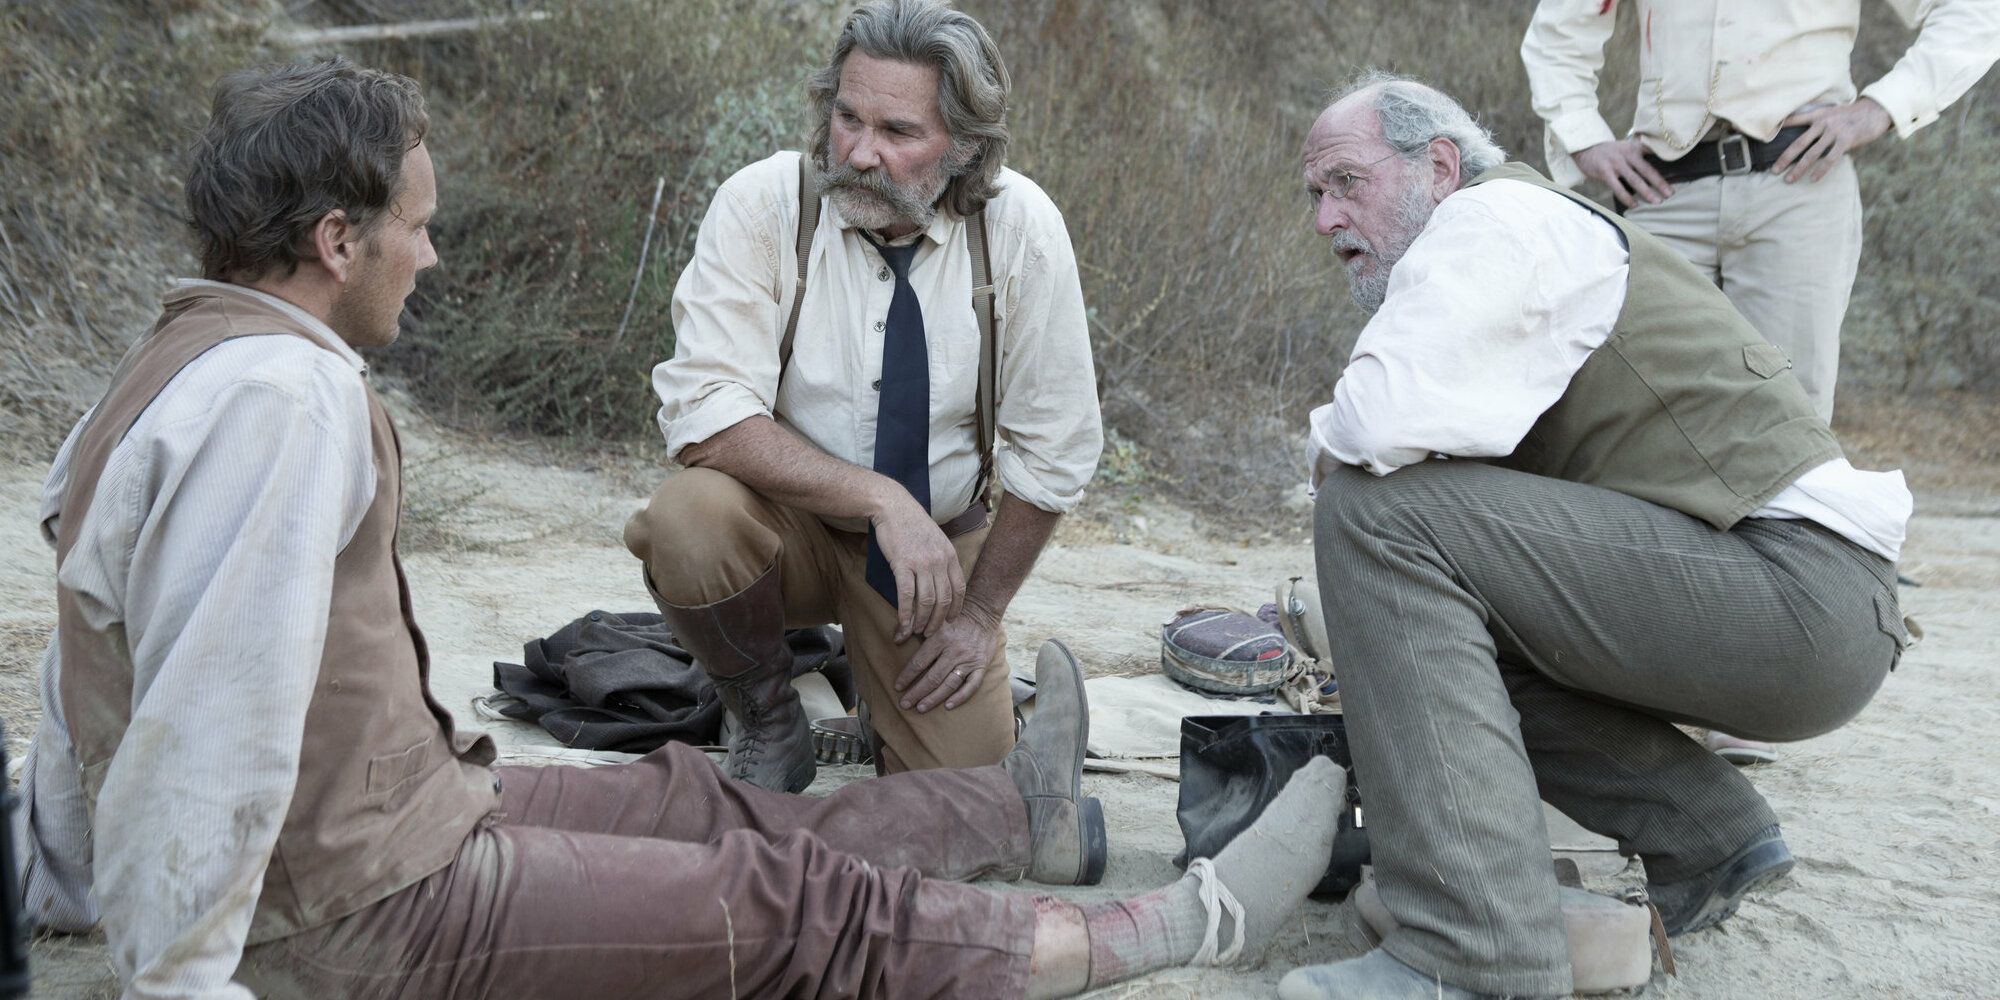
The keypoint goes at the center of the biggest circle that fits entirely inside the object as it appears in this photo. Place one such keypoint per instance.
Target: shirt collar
(323, 333)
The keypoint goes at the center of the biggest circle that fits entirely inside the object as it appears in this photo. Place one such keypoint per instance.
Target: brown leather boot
(740, 642)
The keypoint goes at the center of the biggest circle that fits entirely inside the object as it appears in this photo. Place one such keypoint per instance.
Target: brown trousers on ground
(662, 879)
(705, 537)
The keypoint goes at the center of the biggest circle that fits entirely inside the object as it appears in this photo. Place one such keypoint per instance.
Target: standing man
(830, 415)
(1737, 156)
(241, 773)
(1567, 498)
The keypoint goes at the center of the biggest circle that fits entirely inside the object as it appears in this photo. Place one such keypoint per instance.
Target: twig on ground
(652, 219)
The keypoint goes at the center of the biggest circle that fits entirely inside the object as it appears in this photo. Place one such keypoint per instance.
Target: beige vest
(1685, 405)
(387, 789)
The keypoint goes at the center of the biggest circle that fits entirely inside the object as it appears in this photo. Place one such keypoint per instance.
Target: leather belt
(1729, 156)
(973, 519)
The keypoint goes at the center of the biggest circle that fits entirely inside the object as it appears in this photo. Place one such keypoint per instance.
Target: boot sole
(1096, 848)
(1726, 899)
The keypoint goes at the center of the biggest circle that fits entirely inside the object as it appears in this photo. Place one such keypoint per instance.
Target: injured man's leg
(662, 878)
(1223, 912)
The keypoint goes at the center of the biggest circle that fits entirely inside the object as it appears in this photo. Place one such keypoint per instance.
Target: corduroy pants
(661, 879)
(1502, 637)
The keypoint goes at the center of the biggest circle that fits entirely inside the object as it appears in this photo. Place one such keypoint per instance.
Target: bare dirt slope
(1895, 819)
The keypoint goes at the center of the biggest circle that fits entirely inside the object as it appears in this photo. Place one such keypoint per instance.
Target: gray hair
(972, 87)
(1413, 114)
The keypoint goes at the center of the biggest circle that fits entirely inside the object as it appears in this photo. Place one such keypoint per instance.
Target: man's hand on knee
(950, 665)
(930, 586)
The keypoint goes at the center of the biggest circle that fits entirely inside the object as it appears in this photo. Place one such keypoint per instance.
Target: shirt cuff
(1016, 478)
(726, 405)
(1580, 130)
(1565, 135)
(1562, 166)
(1904, 99)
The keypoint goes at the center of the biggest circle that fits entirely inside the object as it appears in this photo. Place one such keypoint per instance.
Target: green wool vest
(1685, 405)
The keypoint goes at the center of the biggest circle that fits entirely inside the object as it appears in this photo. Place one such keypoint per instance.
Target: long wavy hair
(972, 87)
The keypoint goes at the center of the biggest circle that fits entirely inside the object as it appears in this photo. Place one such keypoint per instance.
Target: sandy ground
(1895, 819)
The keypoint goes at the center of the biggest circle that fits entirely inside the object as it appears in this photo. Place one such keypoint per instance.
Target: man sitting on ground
(1568, 497)
(241, 772)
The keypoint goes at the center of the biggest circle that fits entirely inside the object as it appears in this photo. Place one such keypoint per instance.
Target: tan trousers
(705, 537)
(1785, 254)
(661, 879)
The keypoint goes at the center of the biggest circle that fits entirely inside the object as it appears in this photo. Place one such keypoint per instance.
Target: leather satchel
(1232, 766)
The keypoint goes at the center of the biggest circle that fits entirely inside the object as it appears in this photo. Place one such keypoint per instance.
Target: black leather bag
(1232, 766)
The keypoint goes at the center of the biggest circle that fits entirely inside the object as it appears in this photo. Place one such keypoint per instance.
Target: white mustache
(1346, 239)
(844, 176)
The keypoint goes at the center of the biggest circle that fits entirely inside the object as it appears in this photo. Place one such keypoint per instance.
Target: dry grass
(1167, 131)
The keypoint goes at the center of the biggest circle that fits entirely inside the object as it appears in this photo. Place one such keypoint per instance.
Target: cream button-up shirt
(1750, 64)
(1492, 311)
(211, 542)
(729, 314)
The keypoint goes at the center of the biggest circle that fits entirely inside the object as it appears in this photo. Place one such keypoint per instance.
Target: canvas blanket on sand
(622, 682)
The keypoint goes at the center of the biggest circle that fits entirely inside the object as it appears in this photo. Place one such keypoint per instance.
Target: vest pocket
(1765, 359)
(390, 771)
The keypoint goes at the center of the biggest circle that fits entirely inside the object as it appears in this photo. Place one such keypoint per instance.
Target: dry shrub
(1167, 130)
(97, 98)
(1170, 136)
(550, 139)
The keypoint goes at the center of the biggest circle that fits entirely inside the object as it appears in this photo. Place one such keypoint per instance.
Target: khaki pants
(1785, 254)
(661, 879)
(705, 537)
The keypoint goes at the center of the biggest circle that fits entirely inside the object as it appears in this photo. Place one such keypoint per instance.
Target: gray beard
(870, 200)
(1371, 289)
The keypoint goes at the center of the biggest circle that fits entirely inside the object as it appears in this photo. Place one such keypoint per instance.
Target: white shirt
(1490, 313)
(212, 540)
(732, 301)
(1747, 63)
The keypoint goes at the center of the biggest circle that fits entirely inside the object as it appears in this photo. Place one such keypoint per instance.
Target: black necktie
(903, 408)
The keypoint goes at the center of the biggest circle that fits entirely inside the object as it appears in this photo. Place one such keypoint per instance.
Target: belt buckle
(1723, 147)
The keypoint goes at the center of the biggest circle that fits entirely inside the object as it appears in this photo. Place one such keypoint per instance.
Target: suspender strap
(989, 349)
(982, 307)
(808, 222)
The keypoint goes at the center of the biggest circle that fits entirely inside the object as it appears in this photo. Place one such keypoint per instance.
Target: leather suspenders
(982, 307)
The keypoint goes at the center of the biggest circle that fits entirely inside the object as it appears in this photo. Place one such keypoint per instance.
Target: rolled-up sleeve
(1049, 426)
(1957, 42)
(1562, 53)
(726, 326)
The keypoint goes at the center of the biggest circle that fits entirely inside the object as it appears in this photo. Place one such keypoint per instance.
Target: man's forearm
(1020, 531)
(781, 466)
